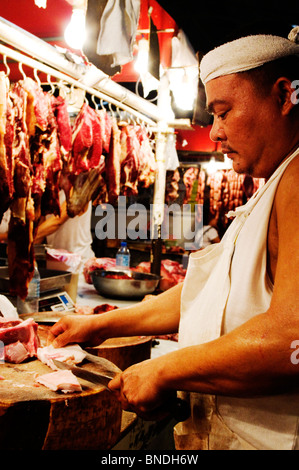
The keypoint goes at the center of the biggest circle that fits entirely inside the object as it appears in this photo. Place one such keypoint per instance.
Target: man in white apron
(238, 310)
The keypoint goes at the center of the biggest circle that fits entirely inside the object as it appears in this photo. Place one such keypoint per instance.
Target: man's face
(246, 124)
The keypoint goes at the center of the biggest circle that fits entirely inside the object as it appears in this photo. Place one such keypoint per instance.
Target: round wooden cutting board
(124, 352)
(33, 417)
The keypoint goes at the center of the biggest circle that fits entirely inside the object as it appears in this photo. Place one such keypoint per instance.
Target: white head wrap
(247, 53)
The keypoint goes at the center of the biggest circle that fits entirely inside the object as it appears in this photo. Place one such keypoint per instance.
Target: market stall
(44, 81)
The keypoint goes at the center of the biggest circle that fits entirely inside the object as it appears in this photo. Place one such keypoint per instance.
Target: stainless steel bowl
(139, 284)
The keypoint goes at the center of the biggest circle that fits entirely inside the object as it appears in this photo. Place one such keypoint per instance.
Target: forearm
(159, 315)
(251, 360)
(50, 225)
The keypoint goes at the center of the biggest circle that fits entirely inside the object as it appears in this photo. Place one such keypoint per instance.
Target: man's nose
(217, 133)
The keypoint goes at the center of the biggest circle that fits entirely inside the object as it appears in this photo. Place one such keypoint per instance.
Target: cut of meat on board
(72, 354)
(64, 381)
(20, 339)
(16, 353)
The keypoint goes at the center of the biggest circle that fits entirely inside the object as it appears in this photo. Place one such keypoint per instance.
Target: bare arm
(254, 359)
(159, 315)
(50, 225)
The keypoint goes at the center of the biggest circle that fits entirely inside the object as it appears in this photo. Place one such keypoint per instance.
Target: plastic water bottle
(123, 257)
(31, 303)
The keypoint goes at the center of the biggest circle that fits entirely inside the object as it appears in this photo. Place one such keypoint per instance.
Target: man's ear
(286, 94)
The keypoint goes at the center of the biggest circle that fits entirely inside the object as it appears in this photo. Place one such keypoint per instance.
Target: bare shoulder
(288, 189)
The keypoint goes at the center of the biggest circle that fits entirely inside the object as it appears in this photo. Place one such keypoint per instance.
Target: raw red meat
(106, 129)
(64, 128)
(96, 263)
(24, 332)
(104, 308)
(172, 272)
(113, 162)
(15, 353)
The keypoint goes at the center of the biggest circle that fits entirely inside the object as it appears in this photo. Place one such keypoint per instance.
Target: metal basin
(139, 284)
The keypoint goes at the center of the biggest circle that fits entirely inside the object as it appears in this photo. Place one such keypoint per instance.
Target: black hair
(265, 76)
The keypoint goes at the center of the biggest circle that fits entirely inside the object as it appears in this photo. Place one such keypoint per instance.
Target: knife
(179, 409)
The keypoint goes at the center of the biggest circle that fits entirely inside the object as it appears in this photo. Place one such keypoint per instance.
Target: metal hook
(37, 77)
(6, 65)
(22, 71)
(110, 107)
(52, 91)
(93, 99)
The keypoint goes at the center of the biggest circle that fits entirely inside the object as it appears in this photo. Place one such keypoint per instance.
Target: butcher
(237, 311)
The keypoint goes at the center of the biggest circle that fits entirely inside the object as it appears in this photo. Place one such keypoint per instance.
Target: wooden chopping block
(33, 417)
(124, 352)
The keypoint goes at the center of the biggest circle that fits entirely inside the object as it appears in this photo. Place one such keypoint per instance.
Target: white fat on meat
(71, 354)
(63, 380)
(15, 353)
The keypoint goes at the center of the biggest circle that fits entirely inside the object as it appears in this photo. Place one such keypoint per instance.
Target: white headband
(247, 53)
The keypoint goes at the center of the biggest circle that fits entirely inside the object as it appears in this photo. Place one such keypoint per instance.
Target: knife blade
(93, 377)
(178, 408)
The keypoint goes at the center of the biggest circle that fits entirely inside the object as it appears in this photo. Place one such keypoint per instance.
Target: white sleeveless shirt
(225, 286)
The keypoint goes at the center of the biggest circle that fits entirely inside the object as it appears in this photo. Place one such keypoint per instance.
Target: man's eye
(222, 115)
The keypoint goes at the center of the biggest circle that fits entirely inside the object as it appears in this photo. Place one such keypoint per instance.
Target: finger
(57, 328)
(115, 384)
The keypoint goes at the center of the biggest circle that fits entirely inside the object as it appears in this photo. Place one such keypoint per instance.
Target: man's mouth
(227, 151)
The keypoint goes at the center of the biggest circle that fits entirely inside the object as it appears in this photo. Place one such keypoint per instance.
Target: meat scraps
(63, 380)
(71, 354)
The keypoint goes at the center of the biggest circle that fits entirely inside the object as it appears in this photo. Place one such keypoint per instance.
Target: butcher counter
(91, 420)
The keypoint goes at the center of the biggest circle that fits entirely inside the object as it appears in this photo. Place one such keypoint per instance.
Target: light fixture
(183, 84)
(41, 3)
(75, 31)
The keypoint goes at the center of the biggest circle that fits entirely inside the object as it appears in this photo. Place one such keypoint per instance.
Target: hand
(74, 329)
(140, 390)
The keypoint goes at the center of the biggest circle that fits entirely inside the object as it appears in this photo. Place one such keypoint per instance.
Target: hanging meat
(37, 166)
(172, 186)
(6, 145)
(130, 163)
(82, 173)
(40, 154)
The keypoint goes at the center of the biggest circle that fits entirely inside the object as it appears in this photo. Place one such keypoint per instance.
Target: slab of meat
(64, 128)
(106, 129)
(172, 272)
(63, 380)
(15, 353)
(103, 308)
(113, 162)
(12, 333)
(130, 165)
(6, 144)
(82, 179)
(148, 165)
(71, 354)
(96, 263)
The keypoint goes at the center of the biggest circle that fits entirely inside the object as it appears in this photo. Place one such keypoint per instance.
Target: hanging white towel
(118, 29)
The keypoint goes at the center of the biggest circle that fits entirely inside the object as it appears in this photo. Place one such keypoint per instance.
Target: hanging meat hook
(93, 99)
(52, 91)
(22, 71)
(6, 65)
(37, 78)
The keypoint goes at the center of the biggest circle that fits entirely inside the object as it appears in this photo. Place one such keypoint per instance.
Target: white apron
(226, 285)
